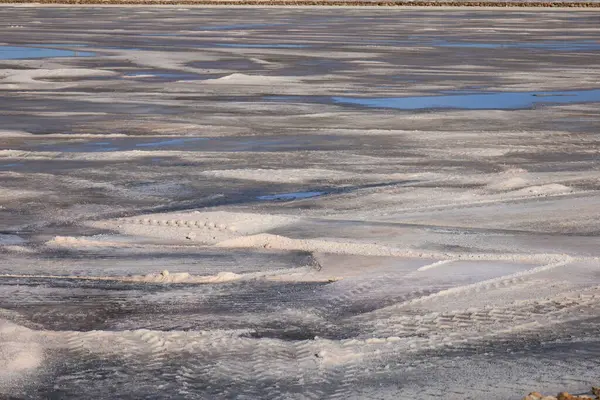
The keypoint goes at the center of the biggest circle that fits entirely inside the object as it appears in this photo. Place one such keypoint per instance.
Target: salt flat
(282, 203)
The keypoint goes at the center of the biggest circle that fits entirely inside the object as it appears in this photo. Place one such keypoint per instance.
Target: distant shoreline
(320, 3)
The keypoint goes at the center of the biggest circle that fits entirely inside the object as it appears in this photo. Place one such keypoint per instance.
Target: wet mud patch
(294, 331)
(263, 45)
(290, 196)
(196, 144)
(235, 27)
(86, 305)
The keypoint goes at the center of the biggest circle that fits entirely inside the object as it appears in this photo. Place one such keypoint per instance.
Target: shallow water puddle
(11, 165)
(10, 239)
(556, 45)
(23, 52)
(476, 101)
(290, 196)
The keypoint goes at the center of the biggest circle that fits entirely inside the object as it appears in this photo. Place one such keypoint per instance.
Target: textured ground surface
(198, 203)
(325, 3)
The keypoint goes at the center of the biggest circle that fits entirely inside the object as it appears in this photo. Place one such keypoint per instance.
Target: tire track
(205, 224)
(460, 329)
(483, 203)
(502, 281)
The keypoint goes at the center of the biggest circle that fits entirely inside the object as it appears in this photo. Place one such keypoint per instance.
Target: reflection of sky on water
(476, 101)
(21, 53)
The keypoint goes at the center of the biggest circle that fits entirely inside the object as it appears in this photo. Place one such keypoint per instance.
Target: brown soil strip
(357, 3)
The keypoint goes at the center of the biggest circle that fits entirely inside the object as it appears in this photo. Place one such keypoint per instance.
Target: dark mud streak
(85, 305)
